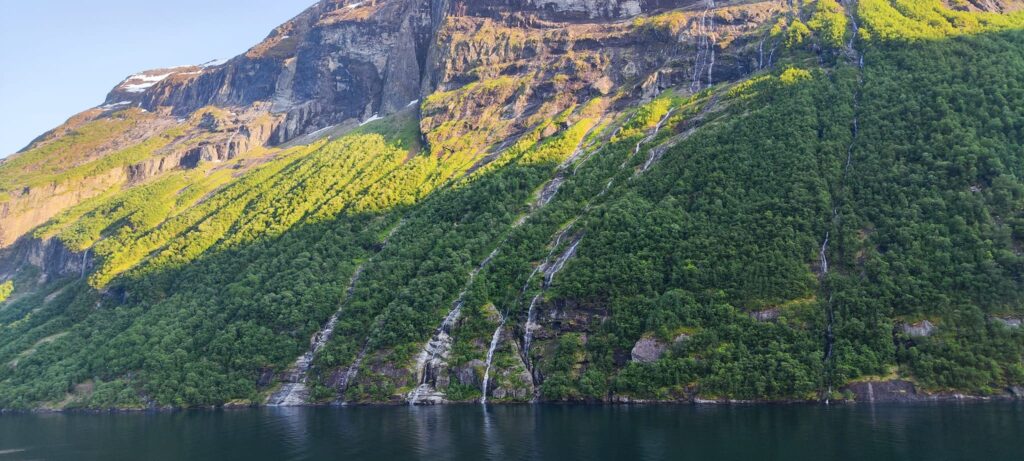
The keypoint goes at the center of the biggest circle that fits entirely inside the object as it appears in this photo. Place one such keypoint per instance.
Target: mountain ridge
(412, 201)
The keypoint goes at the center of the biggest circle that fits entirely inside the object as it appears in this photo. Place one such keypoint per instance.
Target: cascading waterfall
(352, 372)
(706, 51)
(85, 262)
(435, 353)
(549, 270)
(651, 158)
(531, 326)
(551, 188)
(294, 392)
(547, 194)
(490, 359)
(857, 59)
(823, 256)
(688, 127)
(559, 264)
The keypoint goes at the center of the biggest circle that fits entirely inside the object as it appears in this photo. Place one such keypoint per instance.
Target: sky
(60, 57)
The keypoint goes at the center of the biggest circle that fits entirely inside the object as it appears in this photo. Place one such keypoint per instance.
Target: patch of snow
(413, 103)
(355, 5)
(114, 105)
(143, 82)
(317, 132)
(214, 63)
(371, 119)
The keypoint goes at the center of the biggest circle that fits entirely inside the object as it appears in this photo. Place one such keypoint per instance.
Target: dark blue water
(987, 432)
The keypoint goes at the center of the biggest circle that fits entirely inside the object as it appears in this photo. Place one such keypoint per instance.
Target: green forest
(776, 234)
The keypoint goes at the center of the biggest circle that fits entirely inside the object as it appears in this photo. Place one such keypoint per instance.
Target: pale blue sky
(59, 57)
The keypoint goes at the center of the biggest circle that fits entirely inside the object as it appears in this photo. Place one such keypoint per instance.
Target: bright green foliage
(829, 21)
(66, 159)
(6, 289)
(911, 166)
(928, 19)
(797, 33)
(793, 75)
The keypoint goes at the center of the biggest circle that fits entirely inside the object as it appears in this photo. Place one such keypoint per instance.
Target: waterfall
(760, 52)
(657, 128)
(871, 393)
(823, 257)
(560, 263)
(549, 270)
(711, 65)
(490, 358)
(352, 372)
(857, 59)
(295, 392)
(531, 326)
(706, 52)
(551, 188)
(435, 353)
(531, 315)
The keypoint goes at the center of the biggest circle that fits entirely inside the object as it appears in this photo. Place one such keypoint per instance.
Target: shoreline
(929, 399)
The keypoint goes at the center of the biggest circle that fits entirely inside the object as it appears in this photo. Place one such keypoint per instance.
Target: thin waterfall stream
(857, 60)
(294, 392)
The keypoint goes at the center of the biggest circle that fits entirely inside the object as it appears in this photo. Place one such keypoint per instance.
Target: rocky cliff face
(480, 73)
(336, 61)
(486, 72)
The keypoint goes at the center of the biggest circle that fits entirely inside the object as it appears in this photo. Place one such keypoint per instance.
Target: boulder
(767, 315)
(647, 350)
(467, 374)
(1009, 322)
(920, 329)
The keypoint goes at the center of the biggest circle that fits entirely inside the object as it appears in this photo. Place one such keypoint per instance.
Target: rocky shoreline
(898, 392)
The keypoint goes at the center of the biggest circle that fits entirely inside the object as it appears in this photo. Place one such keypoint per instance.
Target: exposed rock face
(343, 59)
(498, 68)
(767, 315)
(467, 373)
(920, 329)
(211, 138)
(346, 60)
(336, 61)
(569, 9)
(1009, 322)
(885, 391)
(994, 6)
(33, 206)
(50, 256)
(648, 350)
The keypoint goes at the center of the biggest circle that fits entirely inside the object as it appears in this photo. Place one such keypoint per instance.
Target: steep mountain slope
(430, 201)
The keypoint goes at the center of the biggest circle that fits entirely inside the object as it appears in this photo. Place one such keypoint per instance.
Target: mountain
(430, 201)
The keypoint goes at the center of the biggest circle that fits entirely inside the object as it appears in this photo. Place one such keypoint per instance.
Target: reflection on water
(989, 432)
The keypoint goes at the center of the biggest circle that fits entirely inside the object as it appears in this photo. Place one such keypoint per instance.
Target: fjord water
(974, 431)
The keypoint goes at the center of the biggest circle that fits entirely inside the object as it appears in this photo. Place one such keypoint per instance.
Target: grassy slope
(230, 276)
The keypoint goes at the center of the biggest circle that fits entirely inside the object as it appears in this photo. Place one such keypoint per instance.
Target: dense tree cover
(774, 235)
(930, 219)
(729, 220)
